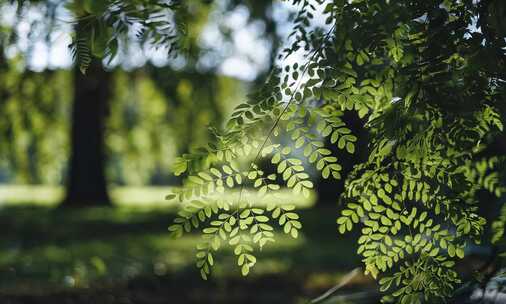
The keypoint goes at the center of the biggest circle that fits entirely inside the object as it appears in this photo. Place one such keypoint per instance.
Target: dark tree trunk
(86, 182)
(329, 190)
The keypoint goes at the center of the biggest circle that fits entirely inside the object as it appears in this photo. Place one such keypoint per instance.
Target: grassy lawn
(124, 255)
(147, 198)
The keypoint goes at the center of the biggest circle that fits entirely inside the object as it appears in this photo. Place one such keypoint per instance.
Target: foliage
(430, 88)
(102, 24)
(29, 108)
(499, 225)
(152, 120)
(103, 27)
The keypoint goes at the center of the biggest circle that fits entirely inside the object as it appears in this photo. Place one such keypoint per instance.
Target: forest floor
(124, 255)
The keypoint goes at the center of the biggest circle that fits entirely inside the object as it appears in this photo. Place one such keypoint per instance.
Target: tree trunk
(86, 182)
(329, 190)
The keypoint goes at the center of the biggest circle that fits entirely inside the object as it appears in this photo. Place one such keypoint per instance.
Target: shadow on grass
(124, 255)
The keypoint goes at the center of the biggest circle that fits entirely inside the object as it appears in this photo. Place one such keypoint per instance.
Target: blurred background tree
(127, 116)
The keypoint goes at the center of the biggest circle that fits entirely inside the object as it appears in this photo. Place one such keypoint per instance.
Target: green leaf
(350, 147)
(245, 269)
(459, 252)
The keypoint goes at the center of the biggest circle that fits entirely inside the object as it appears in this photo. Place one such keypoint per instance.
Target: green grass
(46, 251)
(145, 197)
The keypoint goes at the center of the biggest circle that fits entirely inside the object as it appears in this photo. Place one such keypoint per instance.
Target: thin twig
(290, 101)
(344, 281)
